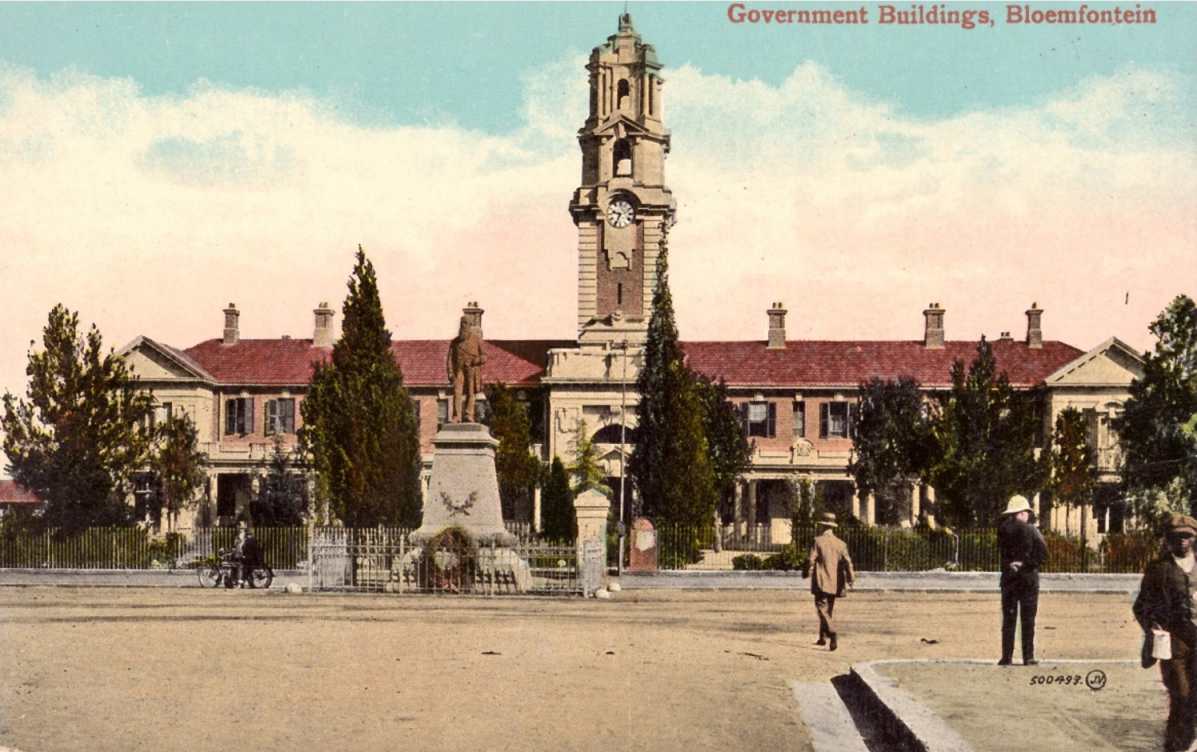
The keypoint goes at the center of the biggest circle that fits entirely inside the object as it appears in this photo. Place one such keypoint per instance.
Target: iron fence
(386, 560)
(138, 548)
(888, 549)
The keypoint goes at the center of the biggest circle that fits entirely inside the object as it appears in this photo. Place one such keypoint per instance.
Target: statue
(464, 367)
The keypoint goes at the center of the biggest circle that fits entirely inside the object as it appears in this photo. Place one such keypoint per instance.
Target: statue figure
(464, 367)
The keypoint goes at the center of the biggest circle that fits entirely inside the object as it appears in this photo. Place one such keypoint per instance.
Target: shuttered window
(238, 416)
(759, 419)
(280, 416)
(835, 420)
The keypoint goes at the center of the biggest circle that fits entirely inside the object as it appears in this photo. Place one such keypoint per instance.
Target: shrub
(750, 562)
(1129, 552)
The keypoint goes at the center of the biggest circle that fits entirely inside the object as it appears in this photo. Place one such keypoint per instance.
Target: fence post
(311, 555)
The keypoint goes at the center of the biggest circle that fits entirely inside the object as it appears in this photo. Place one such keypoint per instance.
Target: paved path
(866, 581)
(828, 720)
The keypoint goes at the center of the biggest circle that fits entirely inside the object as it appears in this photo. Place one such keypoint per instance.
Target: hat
(1018, 503)
(1178, 522)
(827, 518)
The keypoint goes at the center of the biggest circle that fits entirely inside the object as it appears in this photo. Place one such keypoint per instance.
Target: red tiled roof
(815, 363)
(12, 492)
(273, 362)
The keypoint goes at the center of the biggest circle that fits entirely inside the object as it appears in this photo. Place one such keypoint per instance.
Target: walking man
(1165, 604)
(831, 575)
(1023, 552)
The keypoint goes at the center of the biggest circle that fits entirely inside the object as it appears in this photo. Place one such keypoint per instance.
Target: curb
(913, 724)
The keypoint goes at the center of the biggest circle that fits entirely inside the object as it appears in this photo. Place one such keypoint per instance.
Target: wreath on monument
(448, 561)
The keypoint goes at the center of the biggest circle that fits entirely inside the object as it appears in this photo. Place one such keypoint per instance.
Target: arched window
(622, 158)
(622, 92)
(610, 434)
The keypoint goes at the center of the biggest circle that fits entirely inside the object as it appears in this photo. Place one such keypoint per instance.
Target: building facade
(796, 397)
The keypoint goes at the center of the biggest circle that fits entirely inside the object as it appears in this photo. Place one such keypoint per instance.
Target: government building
(796, 397)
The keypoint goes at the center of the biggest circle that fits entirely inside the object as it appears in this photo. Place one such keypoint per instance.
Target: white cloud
(150, 213)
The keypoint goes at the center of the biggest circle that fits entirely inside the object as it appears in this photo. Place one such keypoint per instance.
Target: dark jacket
(1164, 599)
(1020, 541)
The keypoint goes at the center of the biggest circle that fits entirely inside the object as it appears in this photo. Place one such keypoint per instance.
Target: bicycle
(222, 569)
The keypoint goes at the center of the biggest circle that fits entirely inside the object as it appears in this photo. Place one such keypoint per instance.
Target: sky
(162, 160)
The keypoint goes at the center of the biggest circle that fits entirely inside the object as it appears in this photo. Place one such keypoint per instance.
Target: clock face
(620, 213)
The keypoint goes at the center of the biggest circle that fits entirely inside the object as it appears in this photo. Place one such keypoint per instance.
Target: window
(623, 158)
(238, 416)
(622, 90)
(799, 420)
(759, 418)
(835, 420)
(160, 415)
(280, 416)
(442, 413)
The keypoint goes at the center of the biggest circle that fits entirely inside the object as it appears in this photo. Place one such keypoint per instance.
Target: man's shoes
(833, 643)
(1005, 662)
(820, 641)
(1030, 662)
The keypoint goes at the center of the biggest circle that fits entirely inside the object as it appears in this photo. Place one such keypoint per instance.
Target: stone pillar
(591, 508)
(915, 504)
(736, 511)
(856, 503)
(871, 509)
(1035, 506)
(751, 507)
(536, 524)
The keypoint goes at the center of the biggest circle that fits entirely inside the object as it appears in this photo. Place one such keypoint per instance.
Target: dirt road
(115, 669)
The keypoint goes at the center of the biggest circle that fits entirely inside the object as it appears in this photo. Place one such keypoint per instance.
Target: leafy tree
(586, 473)
(517, 469)
(985, 435)
(671, 461)
(179, 465)
(282, 498)
(730, 452)
(359, 425)
(1072, 479)
(892, 434)
(77, 437)
(557, 504)
(1159, 471)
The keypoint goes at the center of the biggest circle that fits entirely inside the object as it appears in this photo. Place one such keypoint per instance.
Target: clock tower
(622, 208)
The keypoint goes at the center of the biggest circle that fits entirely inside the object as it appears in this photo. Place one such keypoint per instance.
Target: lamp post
(623, 453)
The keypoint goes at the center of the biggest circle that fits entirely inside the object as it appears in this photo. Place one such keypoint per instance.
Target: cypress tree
(671, 462)
(557, 504)
(517, 470)
(359, 423)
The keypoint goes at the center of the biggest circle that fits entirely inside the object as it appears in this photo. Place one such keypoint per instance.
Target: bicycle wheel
(209, 575)
(263, 576)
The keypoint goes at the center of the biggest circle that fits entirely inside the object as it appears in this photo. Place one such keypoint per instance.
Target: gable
(153, 362)
(1110, 364)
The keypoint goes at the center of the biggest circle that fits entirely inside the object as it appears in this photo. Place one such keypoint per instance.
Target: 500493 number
(1064, 680)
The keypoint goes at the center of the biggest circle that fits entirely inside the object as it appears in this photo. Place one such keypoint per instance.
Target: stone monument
(464, 489)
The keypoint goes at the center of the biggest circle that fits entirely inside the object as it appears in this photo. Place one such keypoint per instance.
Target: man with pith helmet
(1023, 552)
(831, 575)
(1165, 604)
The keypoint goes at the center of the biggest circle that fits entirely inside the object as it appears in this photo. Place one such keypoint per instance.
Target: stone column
(871, 509)
(736, 511)
(536, 524)
(915, 504)
(1035, 505)
(856, 503)
(751, 507)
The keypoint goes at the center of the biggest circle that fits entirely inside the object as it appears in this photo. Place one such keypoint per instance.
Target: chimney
(1005, 337)
(933, 327)
(474, 314)
(1034, 327)
(777, 327)
(232, 334)
(322, 335)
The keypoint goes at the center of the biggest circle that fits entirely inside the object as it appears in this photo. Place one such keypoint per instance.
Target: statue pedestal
(464, 493)
(464, 490)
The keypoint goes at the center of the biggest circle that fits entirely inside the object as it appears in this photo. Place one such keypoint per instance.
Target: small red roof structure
(12, 492)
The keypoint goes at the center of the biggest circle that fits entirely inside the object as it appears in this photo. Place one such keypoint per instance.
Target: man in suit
(1165, 603)
(1023, 552)
(831, 575)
